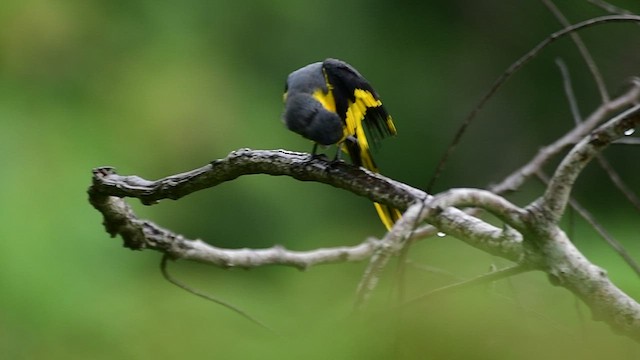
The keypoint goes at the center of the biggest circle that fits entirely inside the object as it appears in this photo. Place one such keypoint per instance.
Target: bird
(331, 103)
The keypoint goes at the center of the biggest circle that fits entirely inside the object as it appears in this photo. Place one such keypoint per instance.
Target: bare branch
(618, 182)
(441, 211)
(478, 280)
(548, 248)
(530, 237)
(486, 200)
(610, 8)
(604, 234)
(140, 234)
(557, 193)
(570, 269)
(568, 90)
(391, 244)
(628, 141)
(299, 166)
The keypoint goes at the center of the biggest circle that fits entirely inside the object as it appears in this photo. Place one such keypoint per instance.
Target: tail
(387, 214)
(360, 154)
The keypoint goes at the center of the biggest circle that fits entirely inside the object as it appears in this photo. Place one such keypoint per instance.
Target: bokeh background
(155, 88)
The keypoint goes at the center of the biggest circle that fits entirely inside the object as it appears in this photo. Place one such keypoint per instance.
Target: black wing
(352, 90)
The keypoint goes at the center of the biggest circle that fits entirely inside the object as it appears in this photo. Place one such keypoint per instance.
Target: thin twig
(478, 280)
(604, 234)
(404, 253)
(628, 141)
(584, 52)
(618, 182)
(390, 245)
(568, 90)
(580, 315)
(171, 279)
(433, 270)
(613, 9)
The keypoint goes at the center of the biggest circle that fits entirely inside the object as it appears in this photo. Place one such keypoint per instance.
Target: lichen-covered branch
(139, 234)
(300, 166)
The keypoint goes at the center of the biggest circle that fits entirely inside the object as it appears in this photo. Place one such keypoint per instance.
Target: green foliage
(155, 88)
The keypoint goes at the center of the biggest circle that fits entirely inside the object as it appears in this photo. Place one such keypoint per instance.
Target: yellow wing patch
(358, 108)
(355, 114)
(391, 126)
(326, 99)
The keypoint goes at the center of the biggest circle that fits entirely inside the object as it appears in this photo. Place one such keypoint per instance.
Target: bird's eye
(286, 86)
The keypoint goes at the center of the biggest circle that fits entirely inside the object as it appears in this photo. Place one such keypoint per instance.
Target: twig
(584, 52)
(618, 182)
(482, 279)
(391, 244)
(610, 7)
(171, 279)
(627, 141)
(433, 270)
(568, 90)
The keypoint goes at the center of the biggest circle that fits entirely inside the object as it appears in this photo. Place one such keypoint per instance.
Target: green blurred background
(155, 88)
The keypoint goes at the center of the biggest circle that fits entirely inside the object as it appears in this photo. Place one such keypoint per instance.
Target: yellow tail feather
(362, 156)
(387, 214)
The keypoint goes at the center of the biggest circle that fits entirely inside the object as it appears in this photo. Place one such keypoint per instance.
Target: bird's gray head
(307, 79)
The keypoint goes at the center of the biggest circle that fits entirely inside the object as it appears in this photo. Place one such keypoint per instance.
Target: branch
(300, 166)
(139, 234)
(440, 211)
(569, 268)
(530, 239)
(557, 193)
(610, 8)
(604, 234)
